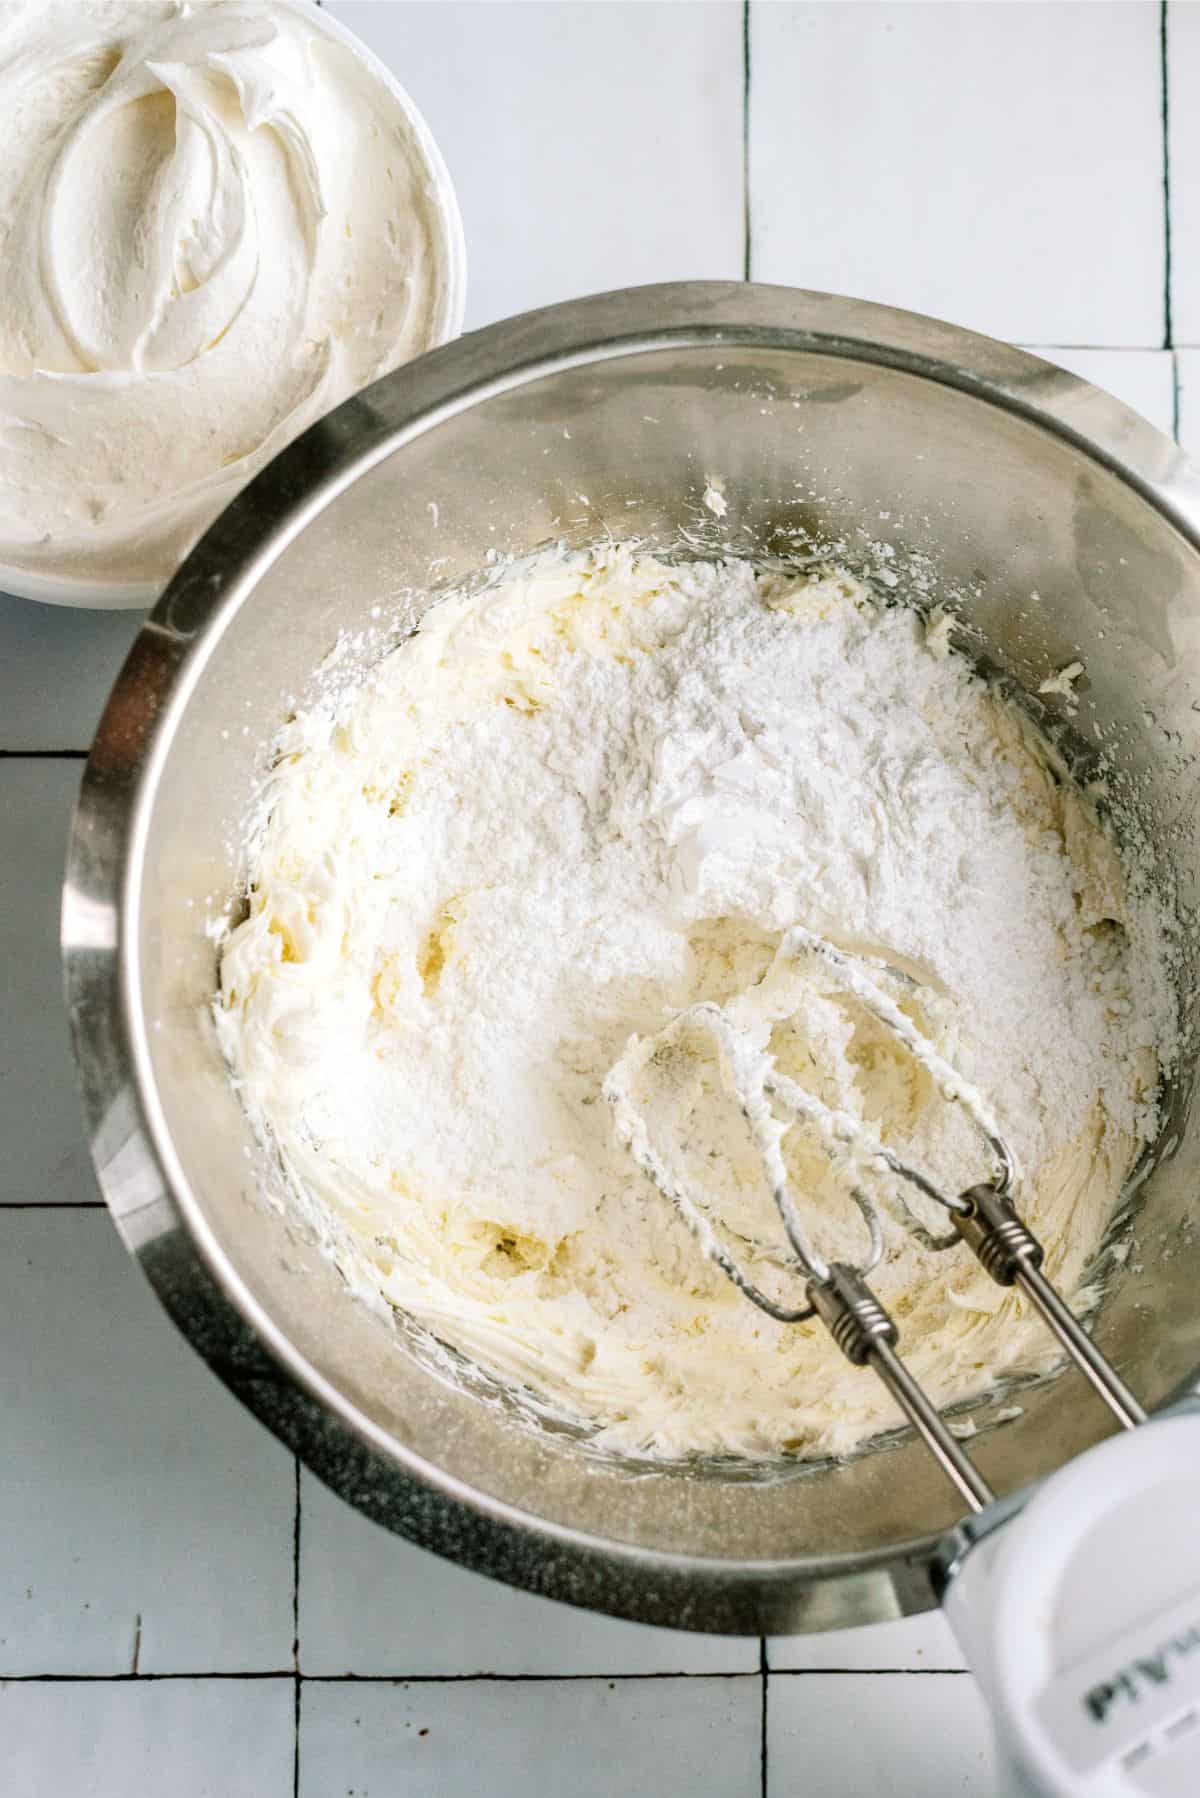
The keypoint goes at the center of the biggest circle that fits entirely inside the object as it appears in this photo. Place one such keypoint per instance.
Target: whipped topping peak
(216, 221)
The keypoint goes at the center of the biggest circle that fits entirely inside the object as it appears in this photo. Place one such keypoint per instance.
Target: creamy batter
(215, 222)
(602, 790)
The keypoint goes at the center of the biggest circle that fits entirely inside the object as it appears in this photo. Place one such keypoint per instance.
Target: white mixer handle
(1081, 1619)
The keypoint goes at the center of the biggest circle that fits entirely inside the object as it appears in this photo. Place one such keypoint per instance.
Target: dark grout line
(296, 1632)
(745, 140)
(1106, 349)
(362, 1679)
(871, 1672)
(507, 1679)
(763, 1674)
(296, 1571)
(43, 755)
(128, 1679)
(1168, 331)
(52, 1205)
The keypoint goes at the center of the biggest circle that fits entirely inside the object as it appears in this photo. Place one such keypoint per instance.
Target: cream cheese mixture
(216, 221)
(601, 790)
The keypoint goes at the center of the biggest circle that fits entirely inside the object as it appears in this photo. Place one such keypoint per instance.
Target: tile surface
(1183, 40)
(1189, 401)
(591, 146)
(589, 1738)
(932, 157)
(843, 1736)
(372, 1603)
(57, 664)
(145, 1516)
(41, 1116)
(204, 1738)
(917, 1643)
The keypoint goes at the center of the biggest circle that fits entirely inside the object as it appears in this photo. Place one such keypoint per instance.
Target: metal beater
(984, 1217)
(1077, 1604)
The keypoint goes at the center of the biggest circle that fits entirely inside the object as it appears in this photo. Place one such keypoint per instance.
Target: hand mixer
(1078, 1606)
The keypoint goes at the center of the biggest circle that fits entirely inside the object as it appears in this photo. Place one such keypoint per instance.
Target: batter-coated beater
(1079, 1608)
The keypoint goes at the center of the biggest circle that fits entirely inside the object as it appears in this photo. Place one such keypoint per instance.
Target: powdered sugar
(589, 797)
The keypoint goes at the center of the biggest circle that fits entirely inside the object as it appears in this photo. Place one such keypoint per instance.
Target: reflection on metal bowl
(1069, 529)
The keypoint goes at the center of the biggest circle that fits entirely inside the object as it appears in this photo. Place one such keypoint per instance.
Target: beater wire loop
(750, 1075)
(854, 974)
(984, 1218)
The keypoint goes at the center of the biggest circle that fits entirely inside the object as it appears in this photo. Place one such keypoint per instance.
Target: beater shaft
(865, 1333)
(984, 1217)
(930, 1425)
(1082, 1350)
(1012, 1255)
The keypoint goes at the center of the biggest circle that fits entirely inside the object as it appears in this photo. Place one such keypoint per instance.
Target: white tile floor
(372, 1604)
(585, 1738)
(1182, 25)
(178, 1738)
(633, 171)
(41, 1123)
(147, 1519)
(58, 665)
(1188, 362)
(1003, 166)
(929, 156)
(911, 1736)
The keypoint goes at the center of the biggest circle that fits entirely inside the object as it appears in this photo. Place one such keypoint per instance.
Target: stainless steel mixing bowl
(1069, 529)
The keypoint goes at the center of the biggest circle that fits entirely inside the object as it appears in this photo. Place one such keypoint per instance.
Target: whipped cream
(216, 221)
(605, 790)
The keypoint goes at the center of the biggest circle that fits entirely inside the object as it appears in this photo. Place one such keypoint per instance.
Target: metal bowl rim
(218, 577)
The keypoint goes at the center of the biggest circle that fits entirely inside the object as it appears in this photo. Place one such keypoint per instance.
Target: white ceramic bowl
(77, 589)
